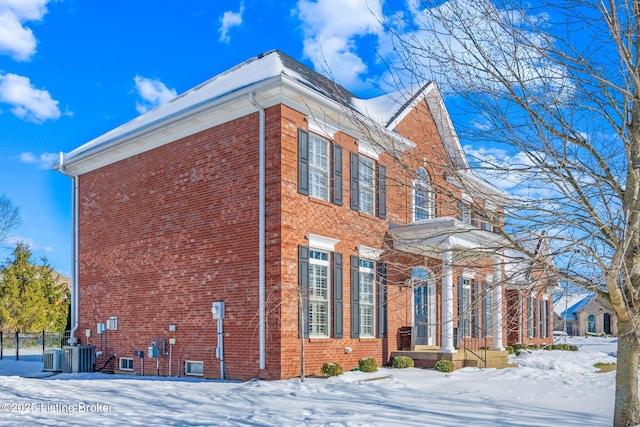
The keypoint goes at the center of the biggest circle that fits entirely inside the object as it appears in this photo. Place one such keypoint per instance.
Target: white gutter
(74, 252)
(261, 233)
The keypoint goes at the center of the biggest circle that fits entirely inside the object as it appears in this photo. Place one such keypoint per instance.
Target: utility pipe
(74, 251)
(261, 232)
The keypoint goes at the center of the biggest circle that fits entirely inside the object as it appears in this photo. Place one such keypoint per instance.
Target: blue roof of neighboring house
(570, 313)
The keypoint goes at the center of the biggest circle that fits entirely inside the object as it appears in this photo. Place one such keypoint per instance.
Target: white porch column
(497, 301)
(447, 345)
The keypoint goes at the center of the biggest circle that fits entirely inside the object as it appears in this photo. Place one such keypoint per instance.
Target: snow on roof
(249, 72)
(566, 306)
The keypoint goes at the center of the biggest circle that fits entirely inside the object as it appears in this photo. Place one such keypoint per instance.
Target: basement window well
(193, 368)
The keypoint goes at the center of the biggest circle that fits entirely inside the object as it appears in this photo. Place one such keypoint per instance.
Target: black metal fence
(30, 346)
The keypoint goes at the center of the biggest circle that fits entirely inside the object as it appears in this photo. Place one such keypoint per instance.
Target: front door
(424, 308)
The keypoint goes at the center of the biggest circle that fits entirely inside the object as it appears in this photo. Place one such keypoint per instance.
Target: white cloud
(12, 241)
(229, 20)
(27, 102)
(17, 40)
(153, 93)
(331, 29)
(43, 161)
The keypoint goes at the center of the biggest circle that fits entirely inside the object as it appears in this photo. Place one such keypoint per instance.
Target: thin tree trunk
(626, 411)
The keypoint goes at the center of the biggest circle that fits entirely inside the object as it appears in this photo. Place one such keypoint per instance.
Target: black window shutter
(382, 300)
(354, 194)
(337, 296)
(382, 191)
(303, 162)
(337, 175)
(355, 297)
(303, 283)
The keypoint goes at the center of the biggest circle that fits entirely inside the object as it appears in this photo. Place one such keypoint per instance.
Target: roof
(571, 304)
(191, 111)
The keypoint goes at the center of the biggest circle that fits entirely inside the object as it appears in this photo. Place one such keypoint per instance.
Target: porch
(484, 358)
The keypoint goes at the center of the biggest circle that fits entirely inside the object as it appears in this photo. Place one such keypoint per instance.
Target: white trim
(466, 197)
(321, 128)
(367, 149)
(322, 243)
(369, 253)
(468, 274)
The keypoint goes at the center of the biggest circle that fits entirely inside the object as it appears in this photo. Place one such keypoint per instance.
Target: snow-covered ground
(550, 388)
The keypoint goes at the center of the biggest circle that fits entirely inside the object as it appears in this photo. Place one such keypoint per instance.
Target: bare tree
(554, 90)
(9, 216)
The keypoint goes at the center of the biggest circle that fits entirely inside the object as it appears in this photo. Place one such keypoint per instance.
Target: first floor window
(487, 309)
(530, 319)
(318, 293)
(464, 308)
(591, 324)
(367, 284)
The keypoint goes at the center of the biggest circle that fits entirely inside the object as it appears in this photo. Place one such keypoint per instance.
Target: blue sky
(71, 70)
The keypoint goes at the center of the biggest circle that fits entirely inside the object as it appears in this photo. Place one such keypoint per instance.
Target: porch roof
(433, 237)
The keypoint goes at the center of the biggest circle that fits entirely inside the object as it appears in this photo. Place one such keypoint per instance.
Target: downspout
(261, 233)
(74, 252)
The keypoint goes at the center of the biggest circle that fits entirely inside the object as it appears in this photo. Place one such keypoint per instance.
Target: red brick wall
(165, 233)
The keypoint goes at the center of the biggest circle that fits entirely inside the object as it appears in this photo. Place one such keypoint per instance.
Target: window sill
(320, 340)
(320, 201)
(366, 339)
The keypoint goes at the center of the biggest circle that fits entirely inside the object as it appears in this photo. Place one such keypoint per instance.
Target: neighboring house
(332, 228)
(584, 314)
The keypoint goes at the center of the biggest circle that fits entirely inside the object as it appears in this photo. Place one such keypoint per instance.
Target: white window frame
(194, 367)
(488, 308)
(367, 185)
(367, 297)
(129, 361)
(422, 185)
(530, 318)
(319, 167)
(319, 260)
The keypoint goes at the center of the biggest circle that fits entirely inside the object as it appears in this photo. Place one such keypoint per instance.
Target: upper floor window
(367, 182)
(424, 201)
(368, 185)
(319, 167)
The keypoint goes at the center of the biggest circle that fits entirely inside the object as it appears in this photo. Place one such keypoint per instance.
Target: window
(464, 212)
(319, 168)
(193, 368)
(530, 318)
(487, 309)
(126, 364)
(318, 293)
(368, 186)
(367, 298)
(320, 282)
(368, 295)
(464, 307)
(543, 319)
(591, 324)
(423, 197)
(367, 183)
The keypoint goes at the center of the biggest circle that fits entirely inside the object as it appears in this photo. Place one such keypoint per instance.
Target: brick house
(584, 314)
(332, 228)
